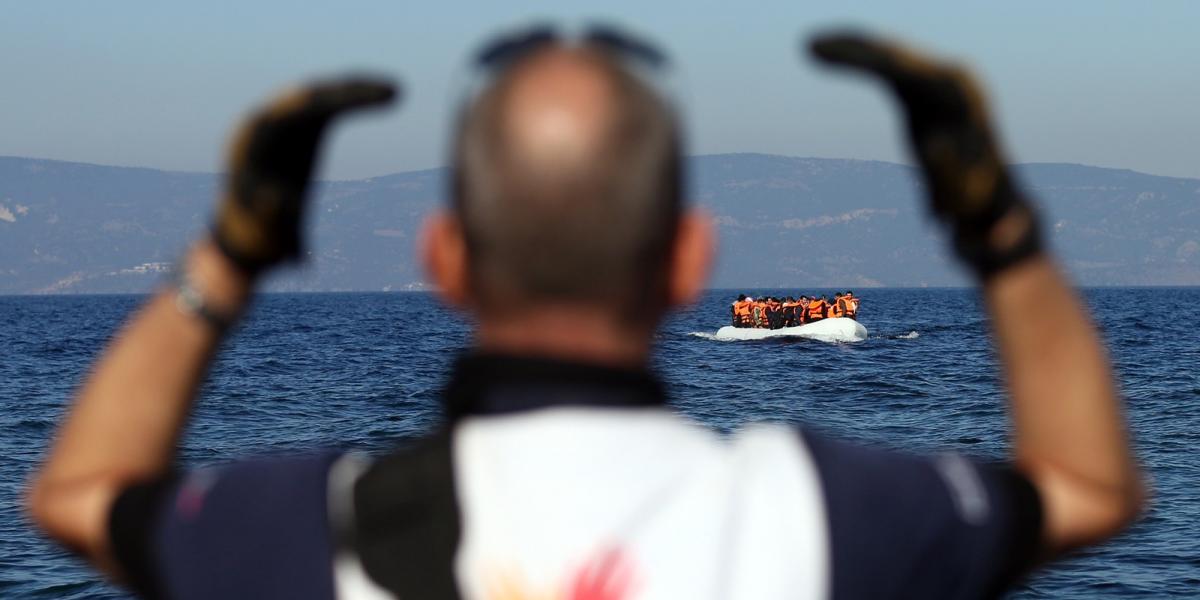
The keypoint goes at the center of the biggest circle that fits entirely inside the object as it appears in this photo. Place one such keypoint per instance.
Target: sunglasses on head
(508, 49)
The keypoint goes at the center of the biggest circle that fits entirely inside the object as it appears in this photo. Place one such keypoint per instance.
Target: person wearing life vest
(774, 313)
(789, 312)
(817, 308)
(851, 311)
(736, 311)
(743, 312)
(837, 307)
(802, 310)
(758, 313)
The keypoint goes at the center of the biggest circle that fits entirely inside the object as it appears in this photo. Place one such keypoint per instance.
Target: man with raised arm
(559, 471)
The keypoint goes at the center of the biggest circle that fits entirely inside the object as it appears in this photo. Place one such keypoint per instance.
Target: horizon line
(712, 289)
(689, 156)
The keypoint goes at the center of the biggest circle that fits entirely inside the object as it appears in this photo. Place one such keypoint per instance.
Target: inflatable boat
(826, 330)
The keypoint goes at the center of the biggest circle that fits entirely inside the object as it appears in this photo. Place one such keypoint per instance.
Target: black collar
(492, 384)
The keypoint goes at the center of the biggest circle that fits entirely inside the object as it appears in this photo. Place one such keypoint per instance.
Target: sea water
(363, 370)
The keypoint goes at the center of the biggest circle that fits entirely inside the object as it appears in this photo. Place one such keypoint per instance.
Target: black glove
(994, 226)
(259, 218)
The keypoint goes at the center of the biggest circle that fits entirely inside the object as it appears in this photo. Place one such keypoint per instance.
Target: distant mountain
(783, 222)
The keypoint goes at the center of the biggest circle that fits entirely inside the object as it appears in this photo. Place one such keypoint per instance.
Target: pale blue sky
(159, 84)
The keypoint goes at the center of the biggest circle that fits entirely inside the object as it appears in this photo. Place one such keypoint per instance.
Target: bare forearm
(129, 413)
(1070, 435)
(127, 417)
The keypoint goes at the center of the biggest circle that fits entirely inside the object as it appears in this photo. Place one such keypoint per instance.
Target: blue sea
(363, 370)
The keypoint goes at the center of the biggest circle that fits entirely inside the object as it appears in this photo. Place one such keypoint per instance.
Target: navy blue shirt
(899, 526)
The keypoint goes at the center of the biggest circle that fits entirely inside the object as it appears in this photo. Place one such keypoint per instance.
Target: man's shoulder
(228, 531)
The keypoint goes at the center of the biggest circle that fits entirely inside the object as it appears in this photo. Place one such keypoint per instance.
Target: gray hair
(595, 231)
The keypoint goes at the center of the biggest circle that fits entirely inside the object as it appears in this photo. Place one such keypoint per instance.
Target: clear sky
(159, 84)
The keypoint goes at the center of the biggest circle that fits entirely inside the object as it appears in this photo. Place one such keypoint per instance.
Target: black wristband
(986, 260)
(974, 238)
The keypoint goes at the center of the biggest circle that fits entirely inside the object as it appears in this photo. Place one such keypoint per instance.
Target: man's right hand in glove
(993, 225)
(1069, 434)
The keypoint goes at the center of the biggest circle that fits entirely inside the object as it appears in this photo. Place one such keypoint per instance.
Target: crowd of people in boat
(769, 312)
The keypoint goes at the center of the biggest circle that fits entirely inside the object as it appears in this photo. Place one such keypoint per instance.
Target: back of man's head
(567, 182)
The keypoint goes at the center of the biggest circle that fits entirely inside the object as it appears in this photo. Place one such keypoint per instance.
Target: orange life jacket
(816, 309)
(851, 306)
(741, 309)
(837, 309)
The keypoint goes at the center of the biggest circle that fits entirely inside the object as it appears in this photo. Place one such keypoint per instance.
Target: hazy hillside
(802, 222)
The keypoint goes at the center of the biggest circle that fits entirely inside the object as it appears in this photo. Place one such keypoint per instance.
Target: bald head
(567, 184)
(557, 110)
